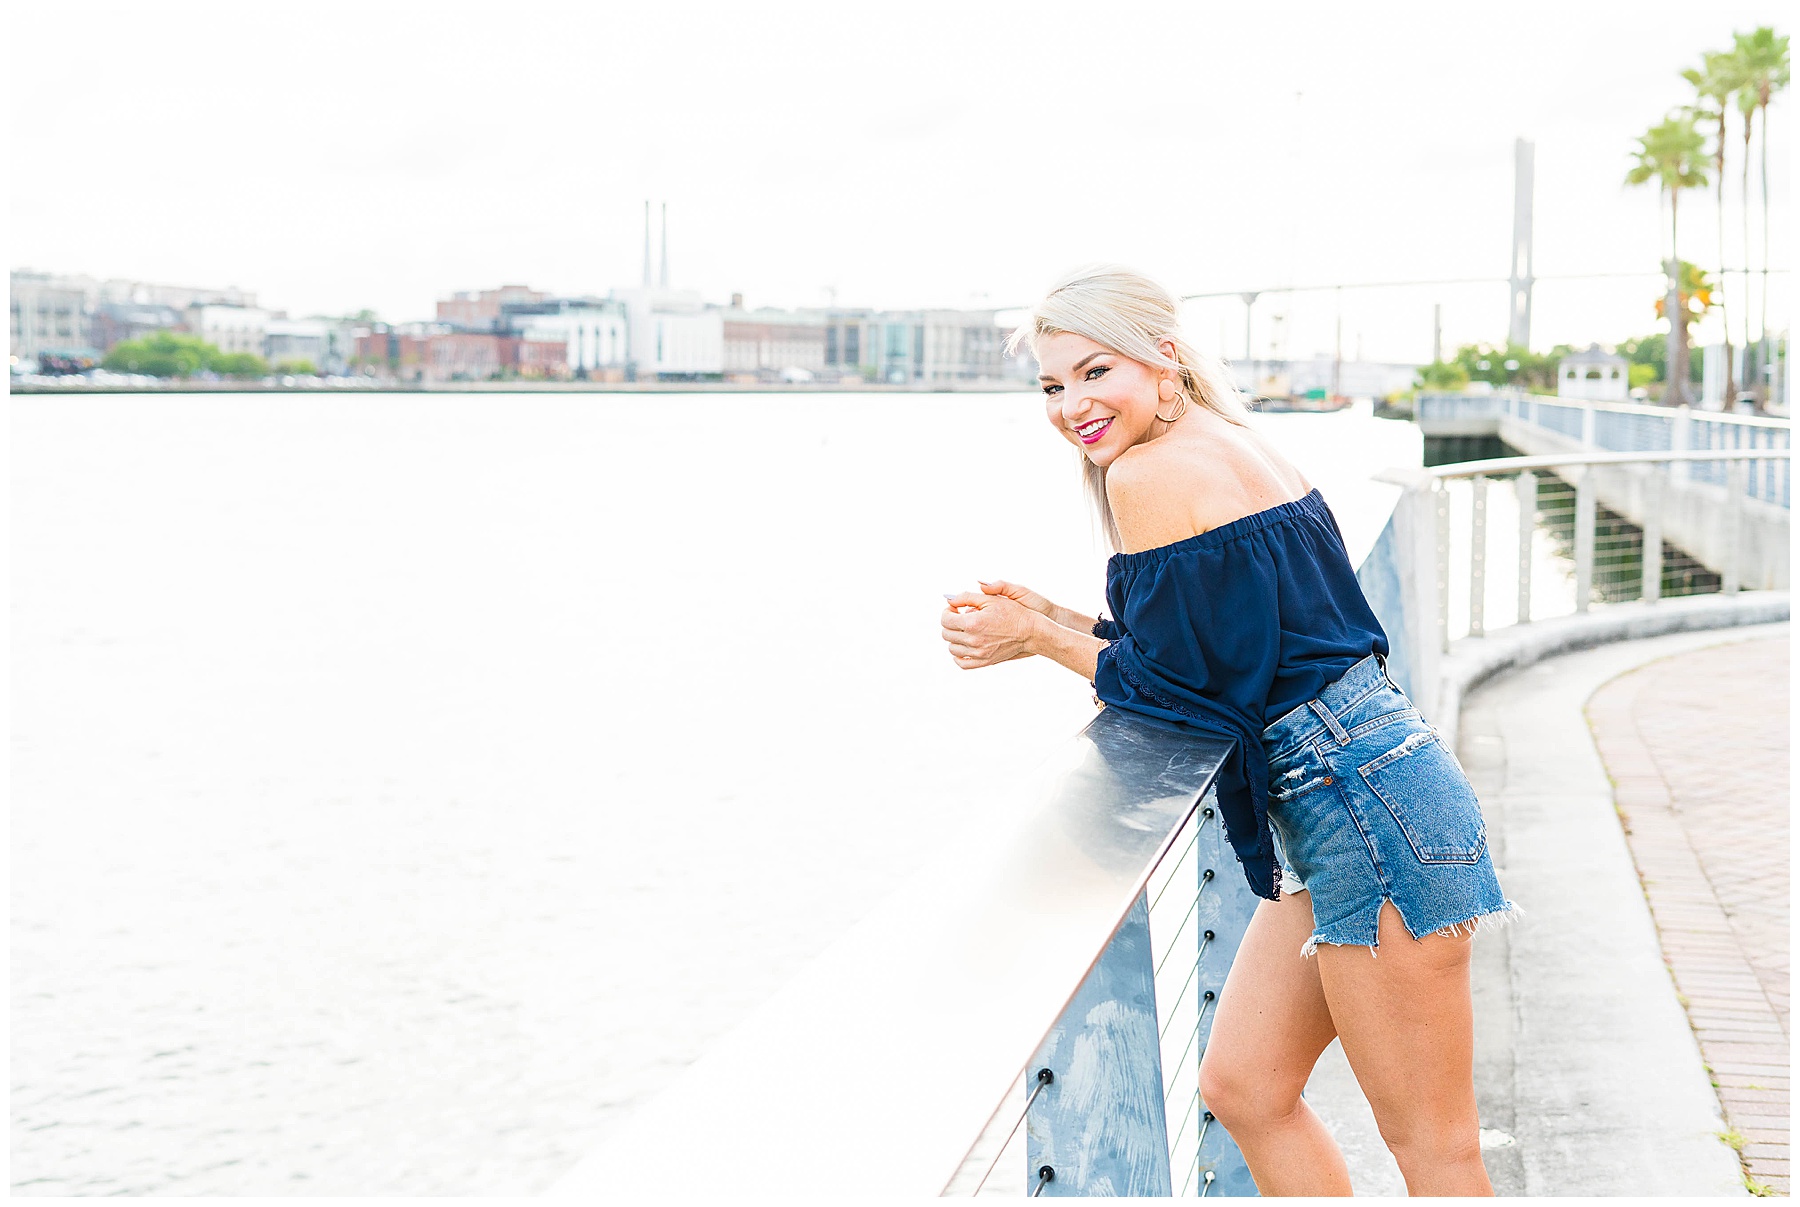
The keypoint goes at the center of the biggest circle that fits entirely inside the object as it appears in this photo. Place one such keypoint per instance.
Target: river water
(406, 786)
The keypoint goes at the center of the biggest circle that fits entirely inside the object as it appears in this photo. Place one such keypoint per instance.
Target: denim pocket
(1297, 772)
(1431, 799)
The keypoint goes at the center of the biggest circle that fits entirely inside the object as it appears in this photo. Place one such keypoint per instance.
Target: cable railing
(1109, 1103)
(1610, 525)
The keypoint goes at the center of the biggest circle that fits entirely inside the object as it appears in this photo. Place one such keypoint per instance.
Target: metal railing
(1630, 428)
(1109, 1101)
(1643, 487)
(1011, 953)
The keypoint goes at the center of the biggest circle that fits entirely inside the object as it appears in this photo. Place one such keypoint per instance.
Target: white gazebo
(1595, 375)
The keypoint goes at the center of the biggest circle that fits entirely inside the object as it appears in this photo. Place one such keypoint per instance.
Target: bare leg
(1408, 1029)
(1271, 1025)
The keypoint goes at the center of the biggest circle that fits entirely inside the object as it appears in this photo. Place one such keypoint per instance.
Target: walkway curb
(1474, 660)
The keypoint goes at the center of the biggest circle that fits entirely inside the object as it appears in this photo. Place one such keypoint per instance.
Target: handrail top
(1499, 465)
(1624, 408)
(952, 983)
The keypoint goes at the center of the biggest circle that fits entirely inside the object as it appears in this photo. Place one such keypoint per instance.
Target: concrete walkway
(1703, 794)
(1589, 1079)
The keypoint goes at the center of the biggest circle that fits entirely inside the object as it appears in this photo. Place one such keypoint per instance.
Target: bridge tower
(1518, 330)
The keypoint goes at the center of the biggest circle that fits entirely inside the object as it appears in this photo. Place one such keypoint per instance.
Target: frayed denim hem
(1506, 915)
(1492, 920)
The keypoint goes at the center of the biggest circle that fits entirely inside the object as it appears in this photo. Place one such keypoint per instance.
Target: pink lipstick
(1105, 426)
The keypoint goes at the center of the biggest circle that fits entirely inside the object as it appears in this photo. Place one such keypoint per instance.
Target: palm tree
(1672, 153)
(1762, 68)
(1715, 82)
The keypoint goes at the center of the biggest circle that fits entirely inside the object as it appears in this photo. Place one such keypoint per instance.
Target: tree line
(171, 354)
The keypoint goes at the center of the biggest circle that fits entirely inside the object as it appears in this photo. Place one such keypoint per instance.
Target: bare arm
(1068, 618)
(1079, 650)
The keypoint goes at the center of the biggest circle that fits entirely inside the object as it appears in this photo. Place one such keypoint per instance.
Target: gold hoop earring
(1180, 409)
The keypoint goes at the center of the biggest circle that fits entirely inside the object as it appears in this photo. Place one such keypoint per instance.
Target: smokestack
(646, 243)
(665, 245)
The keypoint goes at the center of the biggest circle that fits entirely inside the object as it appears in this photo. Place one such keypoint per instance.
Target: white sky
(383, 154)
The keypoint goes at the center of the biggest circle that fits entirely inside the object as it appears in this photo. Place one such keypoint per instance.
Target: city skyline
(956, 158)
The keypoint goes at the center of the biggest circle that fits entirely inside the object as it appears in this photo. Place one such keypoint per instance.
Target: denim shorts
(1369, 804)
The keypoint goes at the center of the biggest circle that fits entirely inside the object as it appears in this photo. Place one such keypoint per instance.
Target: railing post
(1584, 538)
(1735, 474)
(1098, 1124)
(1527, 524)
(1681, 436)
(1440, 498)
(1764, 480)
(1653, 559)
(1477, 554)
(1587, 424)
(1223, 916)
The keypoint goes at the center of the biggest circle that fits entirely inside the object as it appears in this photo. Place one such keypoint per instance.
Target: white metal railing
(1633, 428)
(958, 990)
(1649, 481)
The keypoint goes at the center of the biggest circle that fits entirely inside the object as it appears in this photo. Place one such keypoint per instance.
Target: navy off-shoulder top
(1227, 632)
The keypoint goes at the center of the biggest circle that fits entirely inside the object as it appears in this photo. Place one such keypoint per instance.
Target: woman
(1237, 612)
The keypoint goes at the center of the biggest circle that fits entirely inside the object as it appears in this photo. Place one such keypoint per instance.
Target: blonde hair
(1130, 314)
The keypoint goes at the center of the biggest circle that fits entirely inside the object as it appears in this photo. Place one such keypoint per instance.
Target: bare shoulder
(1167, 490)
(1148, 487)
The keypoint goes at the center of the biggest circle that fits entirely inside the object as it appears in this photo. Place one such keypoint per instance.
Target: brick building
(767, 345)
(470, 356)
(479, 310)
(395, 353)
(546, 358)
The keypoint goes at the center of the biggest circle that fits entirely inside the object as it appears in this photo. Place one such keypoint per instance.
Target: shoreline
(532, 387)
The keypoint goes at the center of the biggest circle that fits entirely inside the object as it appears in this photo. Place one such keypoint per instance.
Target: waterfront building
(849, 335)
(480, 310)
(543, 357)
(593, 333)
(307, 340)
(919, 347)
(469, 356)
(456, 355)
(934, 347)
(1595, 375)
(115, 322)
(396, 352)
(671, 335)
(50, 317)
(229, 328)
(771, 345)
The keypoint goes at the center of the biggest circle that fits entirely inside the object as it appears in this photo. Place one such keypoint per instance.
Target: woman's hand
(1025, 595)
(983, 629)
(1056, 613)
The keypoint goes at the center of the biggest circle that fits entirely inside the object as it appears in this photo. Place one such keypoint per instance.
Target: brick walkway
(1697, 747)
